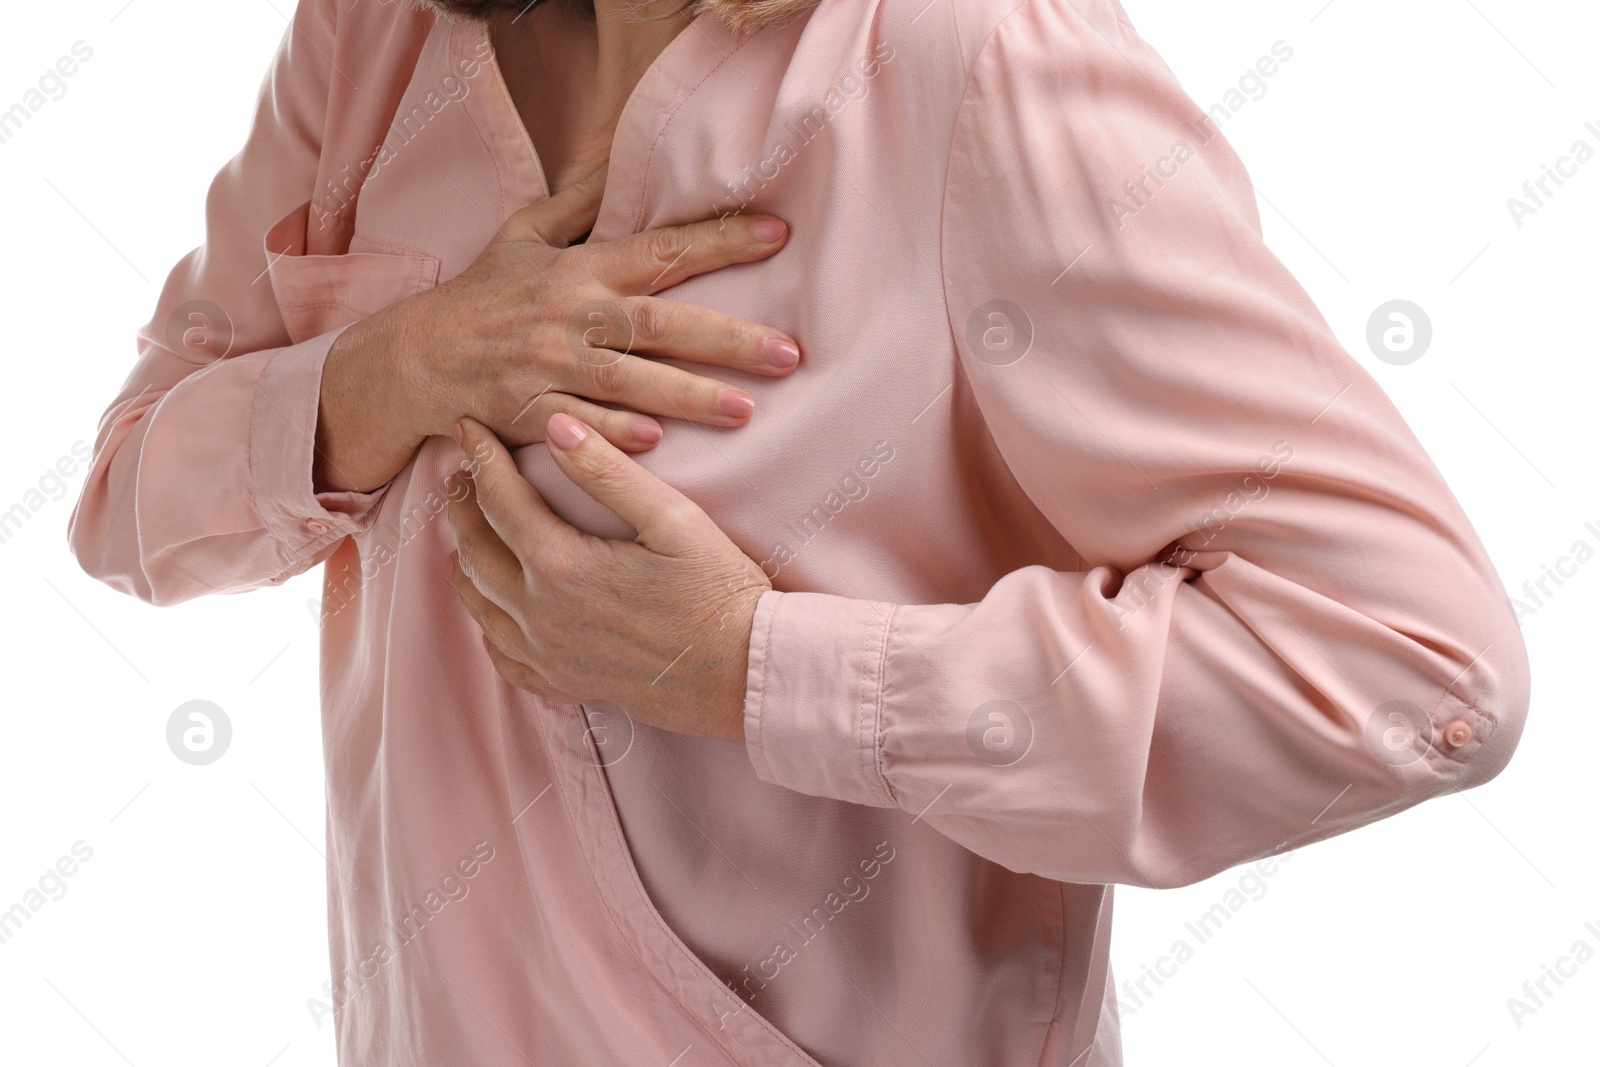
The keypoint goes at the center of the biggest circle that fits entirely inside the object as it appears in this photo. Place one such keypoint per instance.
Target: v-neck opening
(682, 66)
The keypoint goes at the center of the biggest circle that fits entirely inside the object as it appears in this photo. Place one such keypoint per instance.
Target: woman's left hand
(658, 626)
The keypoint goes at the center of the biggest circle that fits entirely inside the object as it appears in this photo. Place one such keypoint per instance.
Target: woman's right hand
(537, 325)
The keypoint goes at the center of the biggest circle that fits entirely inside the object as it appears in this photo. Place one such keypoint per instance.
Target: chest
(857, 283)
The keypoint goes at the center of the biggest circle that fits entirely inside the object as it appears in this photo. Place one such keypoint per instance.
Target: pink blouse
(1095, 558)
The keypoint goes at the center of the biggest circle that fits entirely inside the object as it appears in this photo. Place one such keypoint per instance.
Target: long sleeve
(1287, 628)
(201, 477)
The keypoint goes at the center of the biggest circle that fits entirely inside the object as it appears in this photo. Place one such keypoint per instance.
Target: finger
(563, 218)
(484, 557)
(670, 328)
(499, 634)
(496, 623)
(500, 637)
(666, 521)
(657, 259)
(510, 505)
(644, 385)
(627, 430)
(525, 677)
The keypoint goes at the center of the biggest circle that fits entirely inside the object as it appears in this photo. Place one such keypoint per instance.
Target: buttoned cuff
(813, 710)
(283, 429)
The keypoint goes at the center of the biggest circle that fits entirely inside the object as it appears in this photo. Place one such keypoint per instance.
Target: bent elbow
(93, 546)
(1470, 733)
(1480, 734)
(108, 549)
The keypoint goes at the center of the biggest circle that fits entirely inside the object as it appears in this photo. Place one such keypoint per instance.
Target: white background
(1384, 152)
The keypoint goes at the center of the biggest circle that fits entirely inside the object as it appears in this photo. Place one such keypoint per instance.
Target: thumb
(665, 521)
(563, 218)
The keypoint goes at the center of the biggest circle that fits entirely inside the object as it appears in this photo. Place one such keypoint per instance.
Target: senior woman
(900, 497)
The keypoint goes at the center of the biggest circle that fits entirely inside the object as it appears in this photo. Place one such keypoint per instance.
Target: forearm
(1195, 718)
(374, 409)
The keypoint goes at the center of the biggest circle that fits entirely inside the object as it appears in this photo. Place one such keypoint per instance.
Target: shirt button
(316, 526)
(1458, 733)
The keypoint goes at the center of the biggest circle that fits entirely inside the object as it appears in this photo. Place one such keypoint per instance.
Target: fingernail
(647, 432)
(565, 432)
(781, 353)
(739, 405)
(455, 431)
(768, 230)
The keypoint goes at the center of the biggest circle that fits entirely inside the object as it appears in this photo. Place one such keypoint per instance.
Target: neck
(571, 70)
(606, 44)
(632, 34)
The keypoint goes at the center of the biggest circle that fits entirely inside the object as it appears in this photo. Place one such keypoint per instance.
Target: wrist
(736, 656)
(410, 387)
